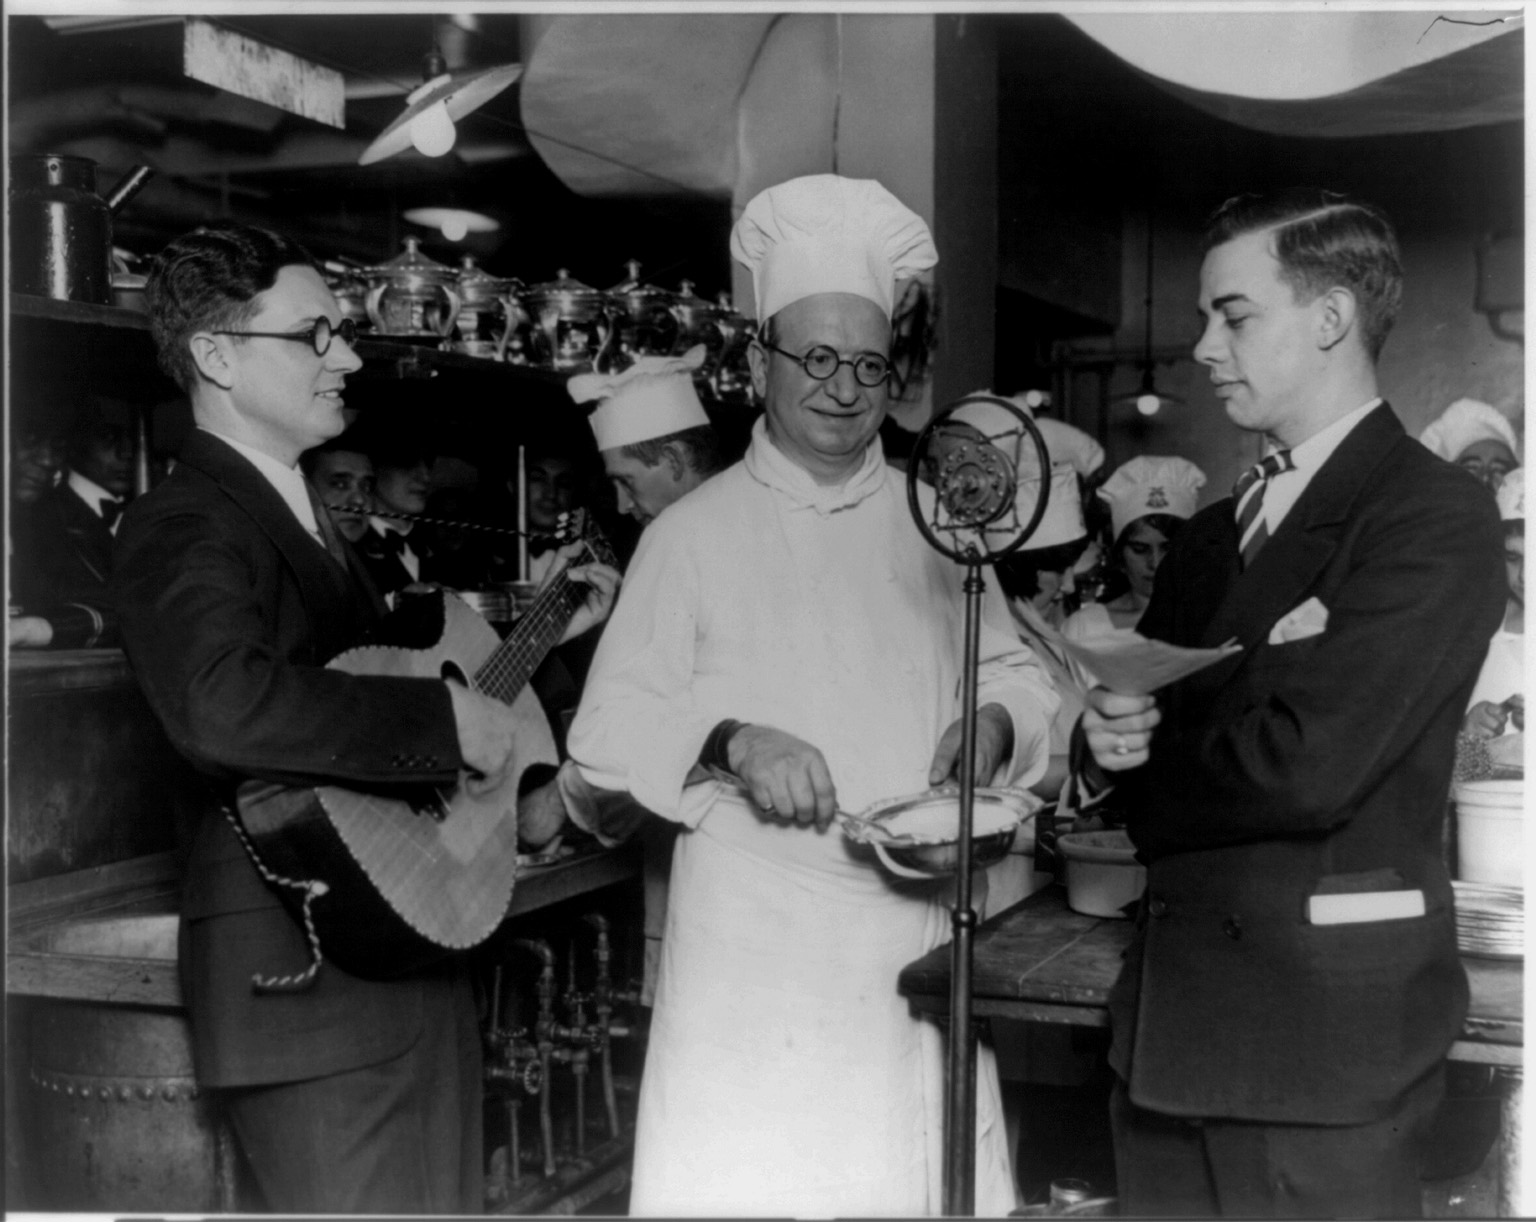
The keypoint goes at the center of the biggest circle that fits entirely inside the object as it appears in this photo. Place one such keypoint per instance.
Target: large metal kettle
(413, 295)
(61, 230)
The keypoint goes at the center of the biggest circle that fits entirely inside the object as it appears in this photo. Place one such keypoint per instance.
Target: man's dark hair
(348, 443)
(1019, 573)
(207, 280)
(1323, 239)
(699, 445)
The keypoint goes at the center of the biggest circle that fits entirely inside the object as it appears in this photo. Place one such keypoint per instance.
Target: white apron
(754, 1100)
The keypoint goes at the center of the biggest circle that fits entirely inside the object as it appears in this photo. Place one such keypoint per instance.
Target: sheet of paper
(1125, 661)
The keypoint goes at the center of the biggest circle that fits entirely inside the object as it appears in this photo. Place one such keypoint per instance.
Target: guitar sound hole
(451, 671)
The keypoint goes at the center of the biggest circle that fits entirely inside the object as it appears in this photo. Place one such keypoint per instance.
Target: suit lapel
(320, 579)
(1290, 562)
(92, 540)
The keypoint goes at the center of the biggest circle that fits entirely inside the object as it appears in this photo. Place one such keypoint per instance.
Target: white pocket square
(1306, 620)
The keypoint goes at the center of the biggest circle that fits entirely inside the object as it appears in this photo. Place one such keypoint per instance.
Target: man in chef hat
(788, 645)
(1475, 436)
(656, 442)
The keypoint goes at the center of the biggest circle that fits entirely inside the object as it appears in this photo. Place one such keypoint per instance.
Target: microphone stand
(976, 488)
(960, 1105)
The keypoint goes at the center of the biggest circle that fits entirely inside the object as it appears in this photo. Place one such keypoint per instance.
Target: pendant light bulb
(1147, 403)
(455, 228)
(432, 131)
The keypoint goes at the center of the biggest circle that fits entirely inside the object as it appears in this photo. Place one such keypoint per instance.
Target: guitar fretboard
(538, 629)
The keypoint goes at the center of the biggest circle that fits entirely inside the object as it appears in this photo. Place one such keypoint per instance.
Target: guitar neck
(507, 671)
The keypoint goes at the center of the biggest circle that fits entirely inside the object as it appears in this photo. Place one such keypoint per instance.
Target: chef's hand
(994, 740)
(1119, 728)
(602, 582)
(1485, 720)
(785, 775)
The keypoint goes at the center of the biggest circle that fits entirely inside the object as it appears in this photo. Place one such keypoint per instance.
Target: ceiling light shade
(450, 97)
(454, 223)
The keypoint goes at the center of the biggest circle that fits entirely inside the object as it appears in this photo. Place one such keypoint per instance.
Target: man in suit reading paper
(1282, 1019)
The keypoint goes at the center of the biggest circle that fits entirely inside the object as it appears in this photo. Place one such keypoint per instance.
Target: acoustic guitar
(387, 882)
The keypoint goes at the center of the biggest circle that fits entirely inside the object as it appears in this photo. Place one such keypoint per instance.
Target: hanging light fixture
(427, 122)
(455, 224)
(1147, 399)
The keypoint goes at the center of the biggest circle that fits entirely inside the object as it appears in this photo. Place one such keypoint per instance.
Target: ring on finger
(1120, 747)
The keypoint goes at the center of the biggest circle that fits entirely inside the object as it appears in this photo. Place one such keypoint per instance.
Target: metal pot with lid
(643, 322)
(698, 323)
(350, 288)
(413, 295)
(732, 374)
(488, 310)
(571, 325)
(61, 230)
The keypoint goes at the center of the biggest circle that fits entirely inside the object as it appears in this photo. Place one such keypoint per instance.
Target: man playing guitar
(344, 1094)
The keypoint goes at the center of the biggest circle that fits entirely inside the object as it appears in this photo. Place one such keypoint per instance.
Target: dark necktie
(328, 532)
(110, 511)
(1248, 497)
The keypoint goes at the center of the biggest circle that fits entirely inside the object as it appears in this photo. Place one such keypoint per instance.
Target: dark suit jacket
(1293, 769)
(229, 611)
(60, 567)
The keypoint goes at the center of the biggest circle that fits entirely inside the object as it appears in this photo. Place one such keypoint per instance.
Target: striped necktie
(1248, 495)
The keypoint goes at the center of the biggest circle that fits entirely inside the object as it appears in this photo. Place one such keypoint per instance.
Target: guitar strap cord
(313, 889)
(431, 520)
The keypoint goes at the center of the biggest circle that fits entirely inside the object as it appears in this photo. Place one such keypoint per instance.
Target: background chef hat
(827, 234)
(1465, 423)
(1151, 483)
(1063, 520)
(653, 398)
(1511, 496)
(1063, 442)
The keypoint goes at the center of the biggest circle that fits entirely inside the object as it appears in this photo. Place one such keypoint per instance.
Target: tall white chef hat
(1151, 483)
(653, 398)
(827, 234)
(1063, 520)
(1511, 496)
(1465, 423)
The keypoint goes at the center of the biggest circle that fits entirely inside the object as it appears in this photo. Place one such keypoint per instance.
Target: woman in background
(1149, 498)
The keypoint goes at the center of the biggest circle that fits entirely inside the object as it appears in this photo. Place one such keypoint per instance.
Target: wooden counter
(1041, 962)
(138, 898)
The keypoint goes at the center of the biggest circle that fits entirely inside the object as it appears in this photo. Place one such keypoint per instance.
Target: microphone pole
(975, 495)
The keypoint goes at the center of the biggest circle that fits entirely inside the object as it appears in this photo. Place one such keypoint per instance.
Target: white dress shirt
(288, 481)
(94, 495)
(1285, 489)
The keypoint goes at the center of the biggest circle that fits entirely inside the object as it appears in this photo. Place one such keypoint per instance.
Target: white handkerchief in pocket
(1306, 620)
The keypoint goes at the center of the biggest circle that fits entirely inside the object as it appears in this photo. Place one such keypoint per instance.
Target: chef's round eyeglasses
(317, 337)
(821, 362)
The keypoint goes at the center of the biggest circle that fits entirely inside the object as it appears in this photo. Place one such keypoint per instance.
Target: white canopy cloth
(785, 1074)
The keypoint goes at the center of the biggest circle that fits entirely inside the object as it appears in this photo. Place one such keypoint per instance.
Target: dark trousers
(400, 1137)
(1168, 1166)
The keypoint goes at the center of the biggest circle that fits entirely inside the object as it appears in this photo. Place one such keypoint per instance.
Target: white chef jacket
(785, 1074)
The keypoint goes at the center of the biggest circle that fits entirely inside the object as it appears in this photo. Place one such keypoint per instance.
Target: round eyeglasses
(821, 362)
(317, 337)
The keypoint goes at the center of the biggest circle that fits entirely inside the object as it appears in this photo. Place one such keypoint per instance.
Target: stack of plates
(1490, 920)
